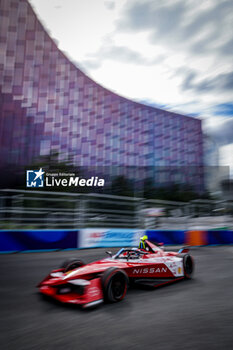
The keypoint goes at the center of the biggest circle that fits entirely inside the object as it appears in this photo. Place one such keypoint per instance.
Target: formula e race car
(108, 279)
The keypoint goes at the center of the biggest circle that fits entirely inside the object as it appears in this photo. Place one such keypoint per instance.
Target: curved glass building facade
(47, 104)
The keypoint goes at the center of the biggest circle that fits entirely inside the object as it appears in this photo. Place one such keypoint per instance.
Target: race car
(108, 279)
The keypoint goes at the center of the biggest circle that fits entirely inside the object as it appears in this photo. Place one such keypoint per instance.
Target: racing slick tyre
(115, 284)
(188, 266)
(71, 264)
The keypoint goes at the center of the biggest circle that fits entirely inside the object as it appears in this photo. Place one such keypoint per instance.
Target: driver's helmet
(142, 244)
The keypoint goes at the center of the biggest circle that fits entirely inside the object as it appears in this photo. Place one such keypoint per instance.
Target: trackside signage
(102, 237)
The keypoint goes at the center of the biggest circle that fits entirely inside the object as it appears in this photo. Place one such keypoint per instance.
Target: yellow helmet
(143, 238)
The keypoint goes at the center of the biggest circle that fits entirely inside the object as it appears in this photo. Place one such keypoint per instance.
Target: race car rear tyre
(115, 284)
(71, 264)
(188, 265)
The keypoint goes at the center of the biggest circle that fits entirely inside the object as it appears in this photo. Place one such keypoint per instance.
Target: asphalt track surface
(194, 314)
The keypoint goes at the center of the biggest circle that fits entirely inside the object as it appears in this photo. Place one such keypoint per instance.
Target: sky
(173, 54)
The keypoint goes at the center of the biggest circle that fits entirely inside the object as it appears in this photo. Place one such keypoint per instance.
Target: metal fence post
(82, 212)
(140, 220)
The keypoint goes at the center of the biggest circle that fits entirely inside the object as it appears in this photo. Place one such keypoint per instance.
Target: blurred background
(166, 144)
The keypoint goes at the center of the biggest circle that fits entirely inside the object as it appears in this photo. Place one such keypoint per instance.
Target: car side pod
(115, 284)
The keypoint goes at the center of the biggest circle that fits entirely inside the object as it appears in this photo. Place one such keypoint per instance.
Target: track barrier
(112, 237)
(196, 238)
(220, 237)
(17, 240)
(32, 240)
(166, 237)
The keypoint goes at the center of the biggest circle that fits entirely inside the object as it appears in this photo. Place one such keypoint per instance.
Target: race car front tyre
(115, 284)
(188, 265)
(71, 264)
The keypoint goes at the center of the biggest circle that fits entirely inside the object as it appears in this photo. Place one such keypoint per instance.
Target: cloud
(214, 17)
(90, 64)
(222, 133)
(227, 47)
(151, 16)
(189, 28)
(220, 123)
(195, 30)
(222, 82)
(109, 51)
(122, 53)
(157, 17)
(110, 5)
(190, 25)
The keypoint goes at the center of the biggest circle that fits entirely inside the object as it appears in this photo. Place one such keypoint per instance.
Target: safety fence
(36, 210)
(34, 240)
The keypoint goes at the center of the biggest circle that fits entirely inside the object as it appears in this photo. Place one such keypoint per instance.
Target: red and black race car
(108, 279)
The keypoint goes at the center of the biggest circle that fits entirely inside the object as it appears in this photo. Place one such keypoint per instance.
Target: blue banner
(18, 240)
(166, 237)
(220, 237)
